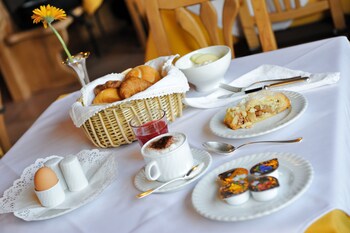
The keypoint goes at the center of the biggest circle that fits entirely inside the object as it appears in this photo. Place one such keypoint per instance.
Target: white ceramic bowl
(206, 77)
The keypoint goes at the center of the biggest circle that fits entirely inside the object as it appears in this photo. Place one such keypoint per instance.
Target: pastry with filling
(235, 193)
(268, 167)
(264, 188)
(233, 175)
(258, 107)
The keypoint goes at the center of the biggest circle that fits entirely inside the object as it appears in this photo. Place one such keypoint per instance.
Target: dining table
(324, 125)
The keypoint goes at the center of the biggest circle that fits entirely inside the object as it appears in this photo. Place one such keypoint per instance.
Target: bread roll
(108, 84)
(113, 84)
(144, 72)
(108, 95)
(132, 85)
(136, 80)
(258, 107)
(99, 88)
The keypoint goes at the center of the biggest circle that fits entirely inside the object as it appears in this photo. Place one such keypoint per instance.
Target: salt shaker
(54, 165)
(73, 173)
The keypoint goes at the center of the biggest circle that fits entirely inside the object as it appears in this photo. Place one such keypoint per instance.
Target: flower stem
(62, 42)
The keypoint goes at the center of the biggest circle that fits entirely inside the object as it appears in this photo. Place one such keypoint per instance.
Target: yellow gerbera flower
(47, 14)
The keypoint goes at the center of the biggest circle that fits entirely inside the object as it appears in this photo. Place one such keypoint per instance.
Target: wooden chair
(4, 139)
(199, 31)
(88, 15)
(263, 19)
(30, 60)
(138, 16)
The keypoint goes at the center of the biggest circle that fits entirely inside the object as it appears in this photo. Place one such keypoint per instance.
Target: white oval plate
(295, 176)
(298, 106)
(199, 156)
(99, 168)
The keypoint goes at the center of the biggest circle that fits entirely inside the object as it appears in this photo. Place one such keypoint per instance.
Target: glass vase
(78, 64)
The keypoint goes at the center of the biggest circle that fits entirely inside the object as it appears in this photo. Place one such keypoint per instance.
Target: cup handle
(152, 171)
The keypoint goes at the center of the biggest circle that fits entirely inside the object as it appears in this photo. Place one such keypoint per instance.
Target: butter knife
(265, 87)
(239, 89)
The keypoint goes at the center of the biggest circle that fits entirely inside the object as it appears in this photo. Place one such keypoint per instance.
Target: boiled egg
(44, 179)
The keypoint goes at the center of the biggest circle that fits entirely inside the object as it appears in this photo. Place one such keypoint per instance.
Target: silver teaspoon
(189, 175)
(225, 148)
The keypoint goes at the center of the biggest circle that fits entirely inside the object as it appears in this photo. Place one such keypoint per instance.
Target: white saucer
(199, 156)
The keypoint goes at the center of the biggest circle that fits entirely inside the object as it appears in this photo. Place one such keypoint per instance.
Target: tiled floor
(119, 50)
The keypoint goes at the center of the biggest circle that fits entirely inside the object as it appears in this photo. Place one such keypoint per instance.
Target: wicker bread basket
(110, 127)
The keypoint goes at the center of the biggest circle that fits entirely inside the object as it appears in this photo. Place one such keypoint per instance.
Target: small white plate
(298, 107)
(99, 168)
(295, 177)
(199, 156)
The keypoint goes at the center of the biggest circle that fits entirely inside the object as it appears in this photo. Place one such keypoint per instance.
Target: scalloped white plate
(199, 156)
(295, 177)
(99, 168)
(298, 107)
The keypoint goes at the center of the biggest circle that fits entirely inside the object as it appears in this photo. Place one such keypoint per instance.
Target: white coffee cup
(164, 164)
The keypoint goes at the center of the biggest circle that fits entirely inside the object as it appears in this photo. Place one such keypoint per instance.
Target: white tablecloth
(325, 127)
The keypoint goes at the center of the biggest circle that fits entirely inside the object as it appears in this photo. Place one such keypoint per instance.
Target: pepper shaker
(73, 173)
(54, 165)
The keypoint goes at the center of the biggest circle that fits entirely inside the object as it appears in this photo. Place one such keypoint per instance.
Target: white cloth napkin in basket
(264, 72)
(173, 81)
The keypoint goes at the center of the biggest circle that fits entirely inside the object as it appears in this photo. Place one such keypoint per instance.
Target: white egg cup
(51, 197)
(238, 199)
(275, 174)
(265, 195)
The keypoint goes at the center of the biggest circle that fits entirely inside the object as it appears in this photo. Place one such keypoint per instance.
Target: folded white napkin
(173, 81)
(264, 72)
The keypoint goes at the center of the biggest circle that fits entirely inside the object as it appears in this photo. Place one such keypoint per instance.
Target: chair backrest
(4, 139)
(199, 31)
(91, 6)
(138, 15)
(282, 11)
(6, 26)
